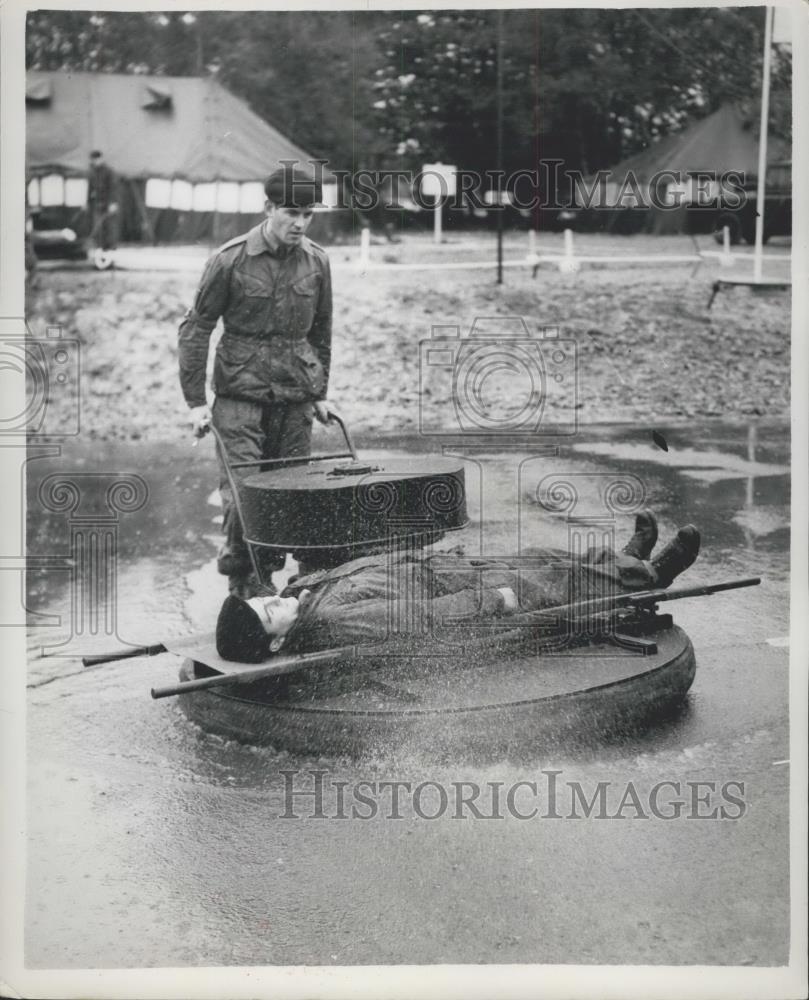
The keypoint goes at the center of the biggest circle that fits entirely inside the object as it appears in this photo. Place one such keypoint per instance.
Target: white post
(726, 260)
(762, 142)
(568, 263)
(752, 439)
(365, 246)
(532, 246)
(437, 220)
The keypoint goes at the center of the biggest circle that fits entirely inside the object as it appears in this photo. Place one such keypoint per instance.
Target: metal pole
(200, 46)
(365, 246)
(769, 13)
(209, 141)
(437, 230)
(500, 207)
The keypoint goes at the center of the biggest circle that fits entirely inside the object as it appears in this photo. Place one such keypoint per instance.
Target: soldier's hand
(200, 418)
(324, 411)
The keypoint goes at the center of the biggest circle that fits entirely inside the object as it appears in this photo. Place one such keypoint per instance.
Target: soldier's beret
(293, 187)
(240, 635)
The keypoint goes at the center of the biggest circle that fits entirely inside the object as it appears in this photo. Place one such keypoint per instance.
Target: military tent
(724, 141)
(190, 156)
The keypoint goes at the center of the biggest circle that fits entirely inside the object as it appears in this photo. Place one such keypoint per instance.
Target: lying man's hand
(200, 418)
(324, 411)
(509, 600)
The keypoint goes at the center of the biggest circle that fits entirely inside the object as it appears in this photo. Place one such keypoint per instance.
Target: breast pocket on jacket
(250, 309)
(304, 301)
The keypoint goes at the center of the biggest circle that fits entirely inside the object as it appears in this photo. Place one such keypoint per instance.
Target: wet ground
(153, 843)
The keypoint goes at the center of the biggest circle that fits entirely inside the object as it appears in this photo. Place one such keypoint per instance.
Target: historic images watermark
(49, 368)
(45, 416)
(315, 795)
(536, 373)
(549, 186)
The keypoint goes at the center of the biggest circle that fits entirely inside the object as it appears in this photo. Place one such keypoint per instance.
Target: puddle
(143, 822)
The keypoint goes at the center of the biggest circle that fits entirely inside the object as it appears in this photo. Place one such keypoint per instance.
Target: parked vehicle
(741, 220)
(57, 233)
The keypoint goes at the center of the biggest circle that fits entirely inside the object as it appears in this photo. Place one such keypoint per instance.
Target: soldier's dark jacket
(101, 187)
(276, 308)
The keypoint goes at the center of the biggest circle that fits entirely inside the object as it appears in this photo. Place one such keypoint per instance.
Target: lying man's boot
(677, 556)
(640, 545)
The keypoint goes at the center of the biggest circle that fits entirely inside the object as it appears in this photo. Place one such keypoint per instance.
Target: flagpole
(500, 204)
(762, 142)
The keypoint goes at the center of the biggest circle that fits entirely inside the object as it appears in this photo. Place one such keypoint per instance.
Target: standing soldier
(272, 288)
(103, 203)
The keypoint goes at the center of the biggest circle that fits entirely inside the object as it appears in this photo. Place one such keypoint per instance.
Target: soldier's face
(277, 614)
(289, 225)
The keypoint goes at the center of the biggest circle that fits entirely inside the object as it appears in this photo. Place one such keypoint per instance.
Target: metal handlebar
(297, 459)
(285, 462)
(349, 443)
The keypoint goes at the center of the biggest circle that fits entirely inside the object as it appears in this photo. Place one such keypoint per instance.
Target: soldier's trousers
(104, 229)
(252, 431)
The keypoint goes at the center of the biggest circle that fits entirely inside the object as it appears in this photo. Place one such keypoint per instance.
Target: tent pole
(144, 215)
(209, 98)
(762, 142)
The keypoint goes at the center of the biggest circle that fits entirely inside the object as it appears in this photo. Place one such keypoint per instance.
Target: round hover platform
(458, 703)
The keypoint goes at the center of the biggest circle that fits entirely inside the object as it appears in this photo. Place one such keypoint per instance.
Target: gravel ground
(648, 349)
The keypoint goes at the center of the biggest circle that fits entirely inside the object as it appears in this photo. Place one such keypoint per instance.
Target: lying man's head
(248, 631)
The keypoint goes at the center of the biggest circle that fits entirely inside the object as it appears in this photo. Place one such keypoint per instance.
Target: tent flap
(156, 98)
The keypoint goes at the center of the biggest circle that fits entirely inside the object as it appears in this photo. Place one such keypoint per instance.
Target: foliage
(369, 89)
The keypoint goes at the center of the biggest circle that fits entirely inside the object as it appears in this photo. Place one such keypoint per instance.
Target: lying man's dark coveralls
(271, 364)
(358, 602)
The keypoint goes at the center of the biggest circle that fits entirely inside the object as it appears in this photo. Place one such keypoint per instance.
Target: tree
(107, 42)
(307, 72)
(587, 86)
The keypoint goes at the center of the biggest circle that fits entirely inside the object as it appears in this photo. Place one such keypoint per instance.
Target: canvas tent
(726, 140)
(190, 156)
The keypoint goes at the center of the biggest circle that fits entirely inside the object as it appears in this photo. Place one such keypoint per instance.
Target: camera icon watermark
(500, 380)
(43, 375)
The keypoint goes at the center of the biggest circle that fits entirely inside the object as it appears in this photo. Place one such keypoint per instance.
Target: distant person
(102, 200)
(272, 288)
(30, 252)
(352, 603)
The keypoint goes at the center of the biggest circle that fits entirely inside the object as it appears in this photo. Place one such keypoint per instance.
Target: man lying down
(352, 602)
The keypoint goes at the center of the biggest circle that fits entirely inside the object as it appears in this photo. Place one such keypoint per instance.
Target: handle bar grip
(349, 443)
(122, 654)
